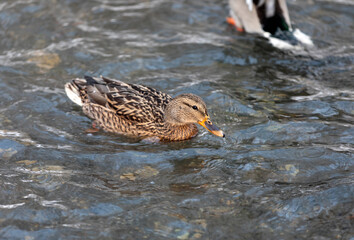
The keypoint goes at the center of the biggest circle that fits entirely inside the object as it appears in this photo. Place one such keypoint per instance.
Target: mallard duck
(269, 18)
(141, 111)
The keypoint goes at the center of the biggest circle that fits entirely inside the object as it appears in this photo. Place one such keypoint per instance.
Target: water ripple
(284, 168)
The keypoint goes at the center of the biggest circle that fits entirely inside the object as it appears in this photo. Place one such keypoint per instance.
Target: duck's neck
(178, 132)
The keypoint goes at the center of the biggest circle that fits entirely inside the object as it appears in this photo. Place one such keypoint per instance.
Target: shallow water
(284, 171)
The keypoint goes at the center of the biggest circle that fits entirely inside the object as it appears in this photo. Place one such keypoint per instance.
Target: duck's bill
(211, 127)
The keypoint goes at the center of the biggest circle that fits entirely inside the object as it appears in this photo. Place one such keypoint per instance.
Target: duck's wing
(137, 102)
(130, 101)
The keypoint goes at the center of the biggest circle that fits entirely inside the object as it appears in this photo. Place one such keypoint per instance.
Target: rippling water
(285, 170)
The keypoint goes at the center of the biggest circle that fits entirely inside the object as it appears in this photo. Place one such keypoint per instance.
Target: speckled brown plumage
(137, 110)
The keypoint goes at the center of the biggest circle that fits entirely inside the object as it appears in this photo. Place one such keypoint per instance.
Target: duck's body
(258, 16)
(137, 110)
(269, 18)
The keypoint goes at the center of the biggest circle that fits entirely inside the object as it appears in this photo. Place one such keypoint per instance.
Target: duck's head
(189, 108)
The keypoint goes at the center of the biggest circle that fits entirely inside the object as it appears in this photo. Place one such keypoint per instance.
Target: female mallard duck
(141, 111)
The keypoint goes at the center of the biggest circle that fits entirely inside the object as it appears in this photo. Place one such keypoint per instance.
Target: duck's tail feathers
(73, 92)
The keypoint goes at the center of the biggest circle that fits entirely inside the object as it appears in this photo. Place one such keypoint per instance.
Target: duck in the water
(141, 111)
(269, 18)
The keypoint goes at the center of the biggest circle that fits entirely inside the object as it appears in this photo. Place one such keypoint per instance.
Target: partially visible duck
(141, 111)
(269, 18)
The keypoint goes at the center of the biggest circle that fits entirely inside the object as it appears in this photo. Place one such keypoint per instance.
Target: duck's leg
(232, 22)
(95, 128)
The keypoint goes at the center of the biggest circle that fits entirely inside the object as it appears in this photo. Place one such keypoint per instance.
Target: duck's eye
(195, 107)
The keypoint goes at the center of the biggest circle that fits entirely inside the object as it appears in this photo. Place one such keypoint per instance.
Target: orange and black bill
(211, 127)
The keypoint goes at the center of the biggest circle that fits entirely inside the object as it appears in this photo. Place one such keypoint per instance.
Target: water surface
(284, 171)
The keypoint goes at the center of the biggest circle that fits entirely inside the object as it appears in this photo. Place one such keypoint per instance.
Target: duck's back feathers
(129, 101)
